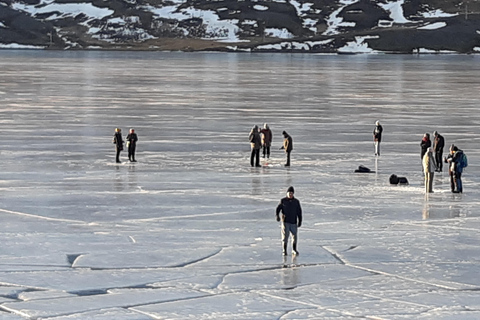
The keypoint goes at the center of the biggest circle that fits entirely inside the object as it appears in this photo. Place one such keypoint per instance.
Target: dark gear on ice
(287, 146)
(117, 140)
(425, 144)
(256, 144)
(438, 145)
(291, 219)
(377, 137)
(132, 144)
(266, 140)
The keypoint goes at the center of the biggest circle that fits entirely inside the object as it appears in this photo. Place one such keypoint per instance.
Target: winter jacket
(266, 137)
(438, 143)
(255, 140)
(457, 156)
(377, 133)
(425, 144)
(131, 140)
(288, 143)
(429, 163)
(291, 210)
(117, 140)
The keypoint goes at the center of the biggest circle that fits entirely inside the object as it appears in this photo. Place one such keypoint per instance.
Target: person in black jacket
(132, 144)
(256, 144)
(377, 137)
(438, 145)
(291, 219)
(118, 141)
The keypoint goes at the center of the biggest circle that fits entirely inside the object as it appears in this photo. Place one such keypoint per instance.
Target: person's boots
(284, 249)
(295, 252)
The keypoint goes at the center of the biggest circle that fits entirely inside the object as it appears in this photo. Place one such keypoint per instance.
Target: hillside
(317, 26)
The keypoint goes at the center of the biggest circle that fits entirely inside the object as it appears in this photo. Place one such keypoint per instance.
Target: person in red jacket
(291, 219)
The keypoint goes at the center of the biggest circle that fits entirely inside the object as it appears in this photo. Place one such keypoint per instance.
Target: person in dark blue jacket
(291, 219)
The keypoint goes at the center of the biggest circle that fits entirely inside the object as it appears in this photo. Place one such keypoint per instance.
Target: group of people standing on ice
(131, 140)
(432, 159)
(262, 139)
(433, 162)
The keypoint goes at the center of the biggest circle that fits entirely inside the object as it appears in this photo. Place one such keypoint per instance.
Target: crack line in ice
(196, 261)
(41, 217)
(334, 255)
(15, 311)
(346, 263)
(184, 217)
(403, 278)
(317, 306)
(185, 264)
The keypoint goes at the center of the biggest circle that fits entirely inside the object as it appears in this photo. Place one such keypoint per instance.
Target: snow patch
(294, 45)
(396, 11)
(63, 10)
(334, 21)
(424, 50)
(278, 33)
(2, 25)
(437, 14)
(358, 46)
(433, 26)
(224, 30)
(20, 46)
(260, 8)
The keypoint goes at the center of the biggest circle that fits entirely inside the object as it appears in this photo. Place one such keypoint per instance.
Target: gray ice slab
(105, 314)
(240, 305)
(80, 304)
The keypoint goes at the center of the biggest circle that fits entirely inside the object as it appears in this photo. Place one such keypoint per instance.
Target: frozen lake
(189, 231)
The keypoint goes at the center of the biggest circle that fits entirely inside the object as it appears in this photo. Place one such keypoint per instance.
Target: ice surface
(188, 232)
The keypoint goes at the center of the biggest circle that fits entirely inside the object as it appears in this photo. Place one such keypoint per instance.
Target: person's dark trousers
(452, 181)
(458, 182)
(288, 159)
(266, 151)
(255, 157)
(118, 156)
(438, 159)
(131, 153)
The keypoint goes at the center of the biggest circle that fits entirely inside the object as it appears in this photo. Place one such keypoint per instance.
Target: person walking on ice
(377, 137)
(291, 219)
